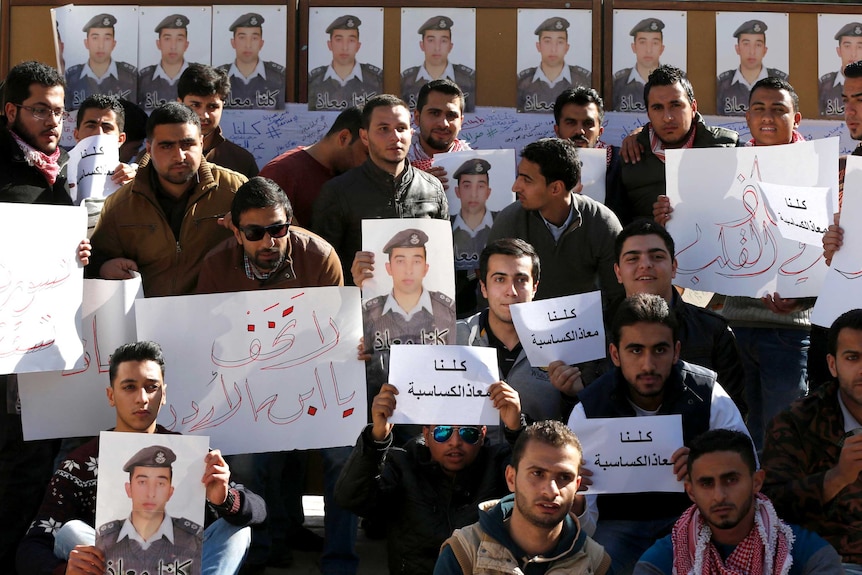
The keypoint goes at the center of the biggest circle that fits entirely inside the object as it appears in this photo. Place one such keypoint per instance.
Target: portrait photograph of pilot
(96, 62)
(555, 53)
(150, 502)
(410, 297)
(170, 38)
(438, 44)
(643, 40)
(749, 46)
(345, 57)
(254, 58)
(839, 41)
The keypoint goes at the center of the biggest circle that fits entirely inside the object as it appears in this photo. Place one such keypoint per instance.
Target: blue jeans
(625, 541)
(775, 362)
(852, 569)
(224, 545)
(339, 526)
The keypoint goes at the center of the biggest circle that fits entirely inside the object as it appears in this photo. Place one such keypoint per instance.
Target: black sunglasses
(442, 433)
(255, 233)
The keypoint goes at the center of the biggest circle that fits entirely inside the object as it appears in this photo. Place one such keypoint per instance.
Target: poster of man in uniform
(345, 57)
(59, 18)
(150, 502)
(563, 40)
(170, 38)
(839, 41)
(438, 44)
(410, 297)
(96, 62)
(753, 36)
(643, 40)
(254, 59)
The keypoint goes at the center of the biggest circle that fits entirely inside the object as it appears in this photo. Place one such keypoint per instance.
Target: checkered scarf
(766, 550)
(658, 146)
(422, 161)
(46, 164)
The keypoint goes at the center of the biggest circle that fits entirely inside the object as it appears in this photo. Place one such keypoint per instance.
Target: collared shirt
(166, 529)
(424, 303)
(252, 272)
(634, 76)
(258, 71)
(449, 73)
(839, 79)
(738, 77)
(850, 422)
(564, 75)
(331, 74)
(160, 73)
(86, 71)
(557, 231)
(459, 224)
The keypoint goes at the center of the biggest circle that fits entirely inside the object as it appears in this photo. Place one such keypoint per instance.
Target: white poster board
(443, 384)
(41, 287)
(726, 241)
(91, 165)
(269, 370)
(594, 170)
(802, 214)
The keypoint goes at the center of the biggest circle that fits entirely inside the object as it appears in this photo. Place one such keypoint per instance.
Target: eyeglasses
(254, 233)
(42, 113)
(442, 433)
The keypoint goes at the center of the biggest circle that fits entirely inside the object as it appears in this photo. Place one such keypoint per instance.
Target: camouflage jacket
(802, 444)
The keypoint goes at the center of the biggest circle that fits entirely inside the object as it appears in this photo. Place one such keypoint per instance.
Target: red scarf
(609, 149)
(766, 550)
(421, 160)
(797, 137)
(43, 162)
(658, 146)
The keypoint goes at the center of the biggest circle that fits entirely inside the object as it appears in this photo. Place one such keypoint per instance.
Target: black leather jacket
(22, 183)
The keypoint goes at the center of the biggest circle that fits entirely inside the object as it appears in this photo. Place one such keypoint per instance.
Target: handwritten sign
(567, 328)
(726, 240)
(444, 384)
(91, 165)
(594, 169)
(842, 288)
(48, 397)
(41, 286)
(802, 214)
(630, 454)
(261, 371)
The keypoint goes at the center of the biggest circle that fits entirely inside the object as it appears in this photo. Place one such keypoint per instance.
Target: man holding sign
(649, 379)
(430, 487)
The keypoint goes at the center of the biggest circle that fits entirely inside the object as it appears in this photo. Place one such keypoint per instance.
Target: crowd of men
(770, 466)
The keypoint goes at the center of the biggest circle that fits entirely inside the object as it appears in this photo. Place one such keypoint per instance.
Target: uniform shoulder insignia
(375, 302)
(410, 72)
(72, 69)
(224, 67)
(110, 527)
(463, 68)
(148, 71)
(372, 68)
(777, 73)
(583, 71)
(440, 296)
(188, 526)
(527, 73)
(319, 71)
(830, 77)
(275, 66)
(727, 74)
(127, 66)
(624, 73)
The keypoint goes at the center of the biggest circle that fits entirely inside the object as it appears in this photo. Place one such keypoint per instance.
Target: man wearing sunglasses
(165, 221)
(431, 486)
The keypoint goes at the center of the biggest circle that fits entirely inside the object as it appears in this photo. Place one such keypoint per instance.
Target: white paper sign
(802, 214)
(842, 289)
(41, 286)
(91, 165)
(47, 398)
(630, 454)
(726, 241)
(443, 384)
(267, 370)
(594, 170)
(568, 328)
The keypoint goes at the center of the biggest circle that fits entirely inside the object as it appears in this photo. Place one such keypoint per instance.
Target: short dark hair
(380, 101)
(581, 96)
(853, 70)
(514, 247)
(203, 80)
(643, 308)
(135, 121)
(722, 440)
(349, 119)
(643, 227)
(102, 102)
(848, 320)
(137, 351)
(16, 88)
(550, 432)
(443, 86)
(259, 192)
(776, 83)
(667, 75)
(171, 113)
(557, 160)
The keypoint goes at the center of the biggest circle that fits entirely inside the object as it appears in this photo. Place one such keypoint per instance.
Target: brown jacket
(134, 226)
(310, 262)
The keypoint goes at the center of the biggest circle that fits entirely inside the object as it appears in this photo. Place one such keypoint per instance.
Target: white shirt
(564, 75)
(423, 303)
(166, 529)
(86, 71)
(739, 78)
(557, 231)
(331, 74)
(850, 422)
(634, 76)
(258, 71)
(449, 72)
(459, 224)
(160, 73)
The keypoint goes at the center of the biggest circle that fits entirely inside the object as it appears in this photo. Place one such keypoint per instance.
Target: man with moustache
(439, 114)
